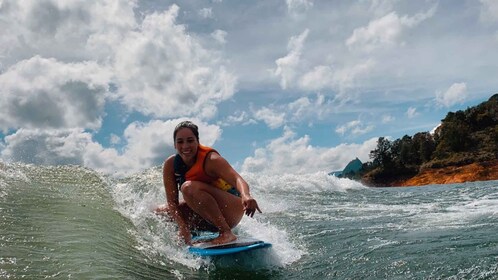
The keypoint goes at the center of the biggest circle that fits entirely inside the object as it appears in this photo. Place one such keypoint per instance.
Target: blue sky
(291, 86)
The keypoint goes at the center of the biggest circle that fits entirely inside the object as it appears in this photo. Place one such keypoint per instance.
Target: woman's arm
(217, 165)
(172, 198)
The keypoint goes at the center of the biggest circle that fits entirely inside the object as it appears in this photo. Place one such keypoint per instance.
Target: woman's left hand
(250, 205)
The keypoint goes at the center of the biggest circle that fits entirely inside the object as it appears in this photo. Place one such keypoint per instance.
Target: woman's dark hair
(187, 124)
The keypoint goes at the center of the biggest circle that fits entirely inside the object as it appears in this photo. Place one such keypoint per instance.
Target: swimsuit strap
(180, 169)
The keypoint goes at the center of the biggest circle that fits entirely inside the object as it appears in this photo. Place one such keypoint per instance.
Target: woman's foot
(223, 238)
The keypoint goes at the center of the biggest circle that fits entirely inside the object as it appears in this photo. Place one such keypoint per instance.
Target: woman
(205, 179)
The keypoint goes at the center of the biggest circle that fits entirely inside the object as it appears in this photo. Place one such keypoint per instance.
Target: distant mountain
(352, 170)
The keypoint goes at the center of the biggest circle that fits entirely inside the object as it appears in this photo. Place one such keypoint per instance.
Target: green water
(68, 222)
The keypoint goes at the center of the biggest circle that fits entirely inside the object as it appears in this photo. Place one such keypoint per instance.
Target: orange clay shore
(483, 171)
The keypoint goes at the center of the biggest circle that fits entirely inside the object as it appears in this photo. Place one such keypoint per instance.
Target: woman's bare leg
(221, 208)
(193, 220)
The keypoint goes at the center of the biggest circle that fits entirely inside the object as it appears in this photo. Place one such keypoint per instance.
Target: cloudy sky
(282, 86)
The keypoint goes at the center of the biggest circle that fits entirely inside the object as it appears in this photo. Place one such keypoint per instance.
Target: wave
(138, 195)
(73, 222)
(301, 183)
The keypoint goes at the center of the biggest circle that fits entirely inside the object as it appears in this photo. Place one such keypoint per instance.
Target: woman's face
(186, 144)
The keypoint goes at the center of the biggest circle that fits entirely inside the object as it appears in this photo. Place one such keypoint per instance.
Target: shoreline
(480, 171)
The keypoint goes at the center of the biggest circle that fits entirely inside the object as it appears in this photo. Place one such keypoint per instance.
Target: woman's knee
(190, 189)
(186, 189)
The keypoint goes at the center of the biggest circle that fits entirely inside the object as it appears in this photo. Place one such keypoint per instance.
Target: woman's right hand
(250, 205)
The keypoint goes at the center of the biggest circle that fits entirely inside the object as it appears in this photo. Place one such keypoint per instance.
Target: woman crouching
(215, 195)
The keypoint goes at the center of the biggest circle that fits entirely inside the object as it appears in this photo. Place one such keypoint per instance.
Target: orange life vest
(197, 172)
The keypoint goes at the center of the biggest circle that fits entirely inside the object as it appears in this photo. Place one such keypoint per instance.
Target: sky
(276, 86)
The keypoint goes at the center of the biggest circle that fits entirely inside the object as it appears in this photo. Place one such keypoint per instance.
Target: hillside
(463, 148)
(453, 174)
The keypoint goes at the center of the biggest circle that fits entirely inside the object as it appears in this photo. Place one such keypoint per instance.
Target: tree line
(462, 138)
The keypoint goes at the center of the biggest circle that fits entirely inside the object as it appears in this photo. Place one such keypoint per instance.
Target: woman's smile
(186, 144)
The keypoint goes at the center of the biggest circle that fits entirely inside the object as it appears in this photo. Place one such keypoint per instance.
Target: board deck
(242, 244)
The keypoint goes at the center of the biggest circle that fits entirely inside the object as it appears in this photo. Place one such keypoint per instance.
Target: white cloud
(455, 94)
(308, 109)
(489, 10)
(242, 118)
(382, 7)
(348, 76)
(304, 109)
(206, 13)
(147, 145)
(272, 118)
(489, 14)
(66, 146)
(46, 146)
(297, 111)
(388, 118)
(411, 112)
(339, 79)
(287, 65)
(65, 30)
(369, 52)
(46, 93)
(298, 7)
(289, 154)
(114, 139)
(57, 55)
(302, 105)
(385, 31)
(354, 128)
(159, 69)
(379, 32)
(219, 36)
(320, 77)
(162, 71)
(155, 66)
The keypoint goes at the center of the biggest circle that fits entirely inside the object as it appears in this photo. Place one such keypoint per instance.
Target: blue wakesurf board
(242, 244)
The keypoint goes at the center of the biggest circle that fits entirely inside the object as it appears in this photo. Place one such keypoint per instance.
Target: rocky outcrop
(483, 171)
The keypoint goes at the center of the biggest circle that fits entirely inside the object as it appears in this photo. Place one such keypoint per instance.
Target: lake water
(68, 222)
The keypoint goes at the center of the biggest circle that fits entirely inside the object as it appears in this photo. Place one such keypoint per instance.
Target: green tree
(407, 155)
(382, 155)
(424, 145)
(462, 138)
(453, 134)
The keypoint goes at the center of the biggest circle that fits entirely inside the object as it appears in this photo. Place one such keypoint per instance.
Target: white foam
(11, 173)
(378, 242)
(463, 214)
(283, 250)
(137, 196)
(310, 182)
